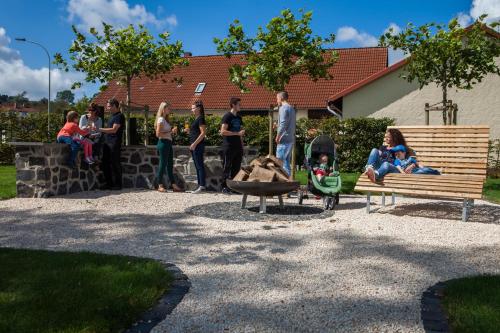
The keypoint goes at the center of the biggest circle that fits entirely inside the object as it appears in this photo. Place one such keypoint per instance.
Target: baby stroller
(329, 187)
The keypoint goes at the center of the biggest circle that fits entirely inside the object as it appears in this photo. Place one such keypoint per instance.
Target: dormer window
(200, 87)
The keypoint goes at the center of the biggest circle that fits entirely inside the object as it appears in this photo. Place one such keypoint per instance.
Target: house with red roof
(387, 94)
(207, 78)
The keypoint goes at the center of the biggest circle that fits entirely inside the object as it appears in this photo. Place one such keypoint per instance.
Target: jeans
(111, 165)
(381, 167)
(425, 171)
(166, 153)
(231, 159)
(74, 146)
(284, 153)
(197, 155)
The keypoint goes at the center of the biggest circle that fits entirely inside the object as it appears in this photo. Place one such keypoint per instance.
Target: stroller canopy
(323, 144)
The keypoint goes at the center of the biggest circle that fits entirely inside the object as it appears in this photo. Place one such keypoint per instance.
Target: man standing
(111, 151)
(232, 146)
(286, 131)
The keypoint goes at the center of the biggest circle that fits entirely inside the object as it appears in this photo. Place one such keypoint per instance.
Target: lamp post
(48, 104)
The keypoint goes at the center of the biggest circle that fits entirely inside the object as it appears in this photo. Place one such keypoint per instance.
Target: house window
(200, 87)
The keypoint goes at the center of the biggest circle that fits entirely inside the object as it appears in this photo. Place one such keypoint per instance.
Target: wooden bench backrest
(457, 150)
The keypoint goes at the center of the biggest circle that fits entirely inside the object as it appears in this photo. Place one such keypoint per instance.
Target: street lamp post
(48, 104)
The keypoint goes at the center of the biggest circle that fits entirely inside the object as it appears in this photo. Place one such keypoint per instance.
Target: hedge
(354, 137)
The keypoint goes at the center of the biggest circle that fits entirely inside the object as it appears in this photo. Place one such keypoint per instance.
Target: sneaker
(370, 173)
(227, 191)
(200, 189)
(89, 161)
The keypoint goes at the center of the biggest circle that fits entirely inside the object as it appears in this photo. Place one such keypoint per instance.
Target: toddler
(323, 169)
(401, 162)
(69, 135)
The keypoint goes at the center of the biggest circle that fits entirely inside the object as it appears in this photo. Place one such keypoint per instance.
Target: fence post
(146, 114)
(427, 114)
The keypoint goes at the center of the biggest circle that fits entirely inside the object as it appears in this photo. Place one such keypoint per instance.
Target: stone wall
(42, 171)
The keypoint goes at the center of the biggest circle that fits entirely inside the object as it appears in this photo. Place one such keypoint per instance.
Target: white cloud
(490, 7)
(396, 29)
(464, 19)
(91, 13)
(16, 77)
(350, 34)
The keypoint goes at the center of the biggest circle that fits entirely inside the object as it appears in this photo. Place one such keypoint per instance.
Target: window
(200, 87)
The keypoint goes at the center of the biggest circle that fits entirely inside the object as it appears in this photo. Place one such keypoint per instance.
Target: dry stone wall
(42, 171)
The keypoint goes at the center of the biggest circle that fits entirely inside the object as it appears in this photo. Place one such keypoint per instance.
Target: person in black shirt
(232, 146)
(197, 133)
(111, 151)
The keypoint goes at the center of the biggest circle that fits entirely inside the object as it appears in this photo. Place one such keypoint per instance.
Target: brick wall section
(41, 169)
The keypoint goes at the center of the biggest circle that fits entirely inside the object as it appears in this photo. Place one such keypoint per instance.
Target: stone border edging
(431, 310)
(167, 303)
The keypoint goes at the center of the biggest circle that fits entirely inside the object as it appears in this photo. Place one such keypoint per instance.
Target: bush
(7, 153)
(494, 158)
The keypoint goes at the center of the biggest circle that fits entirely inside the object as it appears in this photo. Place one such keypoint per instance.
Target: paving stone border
(167, 303)
(432, 313)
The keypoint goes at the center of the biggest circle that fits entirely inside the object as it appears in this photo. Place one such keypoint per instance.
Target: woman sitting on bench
(381, 160)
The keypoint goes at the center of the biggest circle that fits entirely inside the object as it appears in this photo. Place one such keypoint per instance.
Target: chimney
(187, 54)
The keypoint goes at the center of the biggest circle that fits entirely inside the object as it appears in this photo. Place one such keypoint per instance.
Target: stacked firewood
(263, 169)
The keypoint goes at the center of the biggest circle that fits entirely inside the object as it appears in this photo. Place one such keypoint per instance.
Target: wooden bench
(460, 153)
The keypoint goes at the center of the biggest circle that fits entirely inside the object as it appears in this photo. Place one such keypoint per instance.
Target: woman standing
(381, 160)
(164, 133)
(197, 133)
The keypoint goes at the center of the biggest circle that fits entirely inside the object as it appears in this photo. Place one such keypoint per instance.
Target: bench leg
(368, 196)
(280, 198)
(467, 205)
(262, 204)
(244, 201)
(393, 195)
(383, 199)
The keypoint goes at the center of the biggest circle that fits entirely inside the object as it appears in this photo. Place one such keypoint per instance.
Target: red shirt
(70, 129)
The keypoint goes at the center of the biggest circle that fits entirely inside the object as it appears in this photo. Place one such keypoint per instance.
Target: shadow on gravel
(446, 210)
(232, 211)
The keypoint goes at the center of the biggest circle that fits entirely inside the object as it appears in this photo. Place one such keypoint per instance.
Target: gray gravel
(329, 272)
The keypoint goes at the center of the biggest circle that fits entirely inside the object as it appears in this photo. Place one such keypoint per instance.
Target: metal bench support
(393, 195)
(383, 199)
(262, 209)
(280, 198)
(466, 209)
(368, 196)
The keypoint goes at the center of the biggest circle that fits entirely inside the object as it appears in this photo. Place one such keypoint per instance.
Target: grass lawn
(491, 190)
(7, 181)
(43, 291)
(473, 304)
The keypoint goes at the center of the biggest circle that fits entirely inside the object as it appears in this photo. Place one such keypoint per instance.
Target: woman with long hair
(164, 133)
(197, 133)
(381, 160)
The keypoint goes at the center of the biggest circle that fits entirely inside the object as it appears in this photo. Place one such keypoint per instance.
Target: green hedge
(355, 137)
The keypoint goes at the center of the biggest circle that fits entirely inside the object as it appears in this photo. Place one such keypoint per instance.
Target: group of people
(394, 156)
(88, 133)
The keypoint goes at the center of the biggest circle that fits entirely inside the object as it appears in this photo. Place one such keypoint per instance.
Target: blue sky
(195, 23)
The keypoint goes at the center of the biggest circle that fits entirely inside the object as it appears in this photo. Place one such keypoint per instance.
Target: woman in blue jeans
(381, 161)
(197, 132)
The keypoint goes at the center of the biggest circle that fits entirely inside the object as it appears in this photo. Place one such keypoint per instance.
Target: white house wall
(393, 97)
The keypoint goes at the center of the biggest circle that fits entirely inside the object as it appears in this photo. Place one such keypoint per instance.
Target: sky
(24, 67)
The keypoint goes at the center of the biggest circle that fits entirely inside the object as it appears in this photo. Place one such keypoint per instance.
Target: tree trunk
(127, 114)
(445, 103)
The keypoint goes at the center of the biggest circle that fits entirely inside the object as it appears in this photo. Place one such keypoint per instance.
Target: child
(323, 169)
(68, 135)
(401, 162)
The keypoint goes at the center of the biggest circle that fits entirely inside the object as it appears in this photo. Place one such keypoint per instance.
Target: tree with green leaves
(122, 55)
(450, 56)
(284, 49)
(65, 96)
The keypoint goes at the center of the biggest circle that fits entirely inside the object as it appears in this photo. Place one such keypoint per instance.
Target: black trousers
(111, 164)
(231, 161)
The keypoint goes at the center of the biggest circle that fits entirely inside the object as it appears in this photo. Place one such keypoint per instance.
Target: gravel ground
(342, 271)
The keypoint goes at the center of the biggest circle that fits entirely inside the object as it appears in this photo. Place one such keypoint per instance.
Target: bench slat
(468, 145)
(412, 140)
(479, 183)
(419, 192)
(425, 186)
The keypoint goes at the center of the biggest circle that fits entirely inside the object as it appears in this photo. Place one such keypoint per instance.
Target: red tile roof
(369, 79)
(354, 65)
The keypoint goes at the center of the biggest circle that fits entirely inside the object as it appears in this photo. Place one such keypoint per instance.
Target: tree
(82, 104)
(450, 56)
(274, 56)
(122, 55)
(66, 96)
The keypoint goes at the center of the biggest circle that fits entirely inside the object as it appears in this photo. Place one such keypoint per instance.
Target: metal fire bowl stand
(262, 190)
